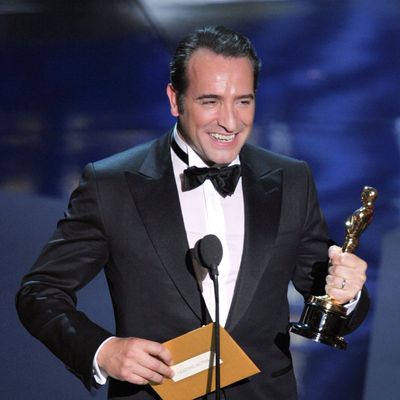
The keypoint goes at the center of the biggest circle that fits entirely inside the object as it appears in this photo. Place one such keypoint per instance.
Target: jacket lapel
(262, 189)
(155, 195)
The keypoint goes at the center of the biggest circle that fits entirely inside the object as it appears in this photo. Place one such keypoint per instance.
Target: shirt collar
(193, 157)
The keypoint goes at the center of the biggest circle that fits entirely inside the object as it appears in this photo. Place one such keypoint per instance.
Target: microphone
(208, 252)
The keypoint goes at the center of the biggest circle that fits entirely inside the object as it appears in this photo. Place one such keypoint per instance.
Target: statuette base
(321, 321)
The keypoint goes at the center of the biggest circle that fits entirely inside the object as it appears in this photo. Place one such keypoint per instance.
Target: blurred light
(153, 3)
(19, 8)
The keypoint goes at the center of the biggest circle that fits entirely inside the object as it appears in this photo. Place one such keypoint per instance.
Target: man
(137, 214)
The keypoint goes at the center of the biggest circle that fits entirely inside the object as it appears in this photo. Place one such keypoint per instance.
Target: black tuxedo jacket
(125, 217)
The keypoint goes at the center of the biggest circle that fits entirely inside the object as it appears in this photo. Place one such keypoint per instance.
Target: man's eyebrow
(215, 96)
(247, 96)
(208, 96)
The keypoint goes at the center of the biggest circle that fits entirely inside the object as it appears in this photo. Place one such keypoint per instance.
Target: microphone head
(209, 251)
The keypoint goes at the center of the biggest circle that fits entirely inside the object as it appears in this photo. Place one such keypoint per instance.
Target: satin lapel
(155, 195)
(262, 200)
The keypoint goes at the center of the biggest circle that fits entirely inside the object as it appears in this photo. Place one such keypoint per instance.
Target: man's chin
(220, 162)
(219, 157)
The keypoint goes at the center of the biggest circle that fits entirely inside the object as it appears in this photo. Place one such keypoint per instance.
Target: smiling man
(218, 106)
(140, 212)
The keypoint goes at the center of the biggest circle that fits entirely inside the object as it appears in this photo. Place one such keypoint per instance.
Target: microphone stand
(208, 252)
(214, 277)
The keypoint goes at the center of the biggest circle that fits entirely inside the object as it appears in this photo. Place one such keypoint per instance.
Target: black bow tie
(224, 179)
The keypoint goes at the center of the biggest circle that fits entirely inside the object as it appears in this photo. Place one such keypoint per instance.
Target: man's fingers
(337, 273)
(346, 275)
(338, 295)
(337, 257)
(140, 375)
(135, 360)
(157, 350)
(338, 282)
(152, 359)
(155, 365)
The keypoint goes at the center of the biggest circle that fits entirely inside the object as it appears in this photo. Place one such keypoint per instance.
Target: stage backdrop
(80, 82)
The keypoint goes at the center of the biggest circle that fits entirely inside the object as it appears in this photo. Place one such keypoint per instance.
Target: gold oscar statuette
(322, 318)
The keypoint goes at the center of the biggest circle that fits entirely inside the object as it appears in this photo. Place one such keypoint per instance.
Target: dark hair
(219, 40)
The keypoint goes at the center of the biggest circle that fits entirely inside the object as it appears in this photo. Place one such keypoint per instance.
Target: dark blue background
(82, 80)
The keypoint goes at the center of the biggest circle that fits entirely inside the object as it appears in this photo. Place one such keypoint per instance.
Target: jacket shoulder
(258, 158)
(132, 159)
(129, 159)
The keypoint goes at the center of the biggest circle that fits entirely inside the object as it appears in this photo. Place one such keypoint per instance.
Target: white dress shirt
(205, 212)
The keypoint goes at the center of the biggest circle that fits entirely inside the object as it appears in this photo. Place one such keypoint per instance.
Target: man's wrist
(352, 304)
(99, 374)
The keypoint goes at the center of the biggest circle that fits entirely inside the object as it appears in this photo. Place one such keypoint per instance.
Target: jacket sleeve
(46, 301)
(312, 257)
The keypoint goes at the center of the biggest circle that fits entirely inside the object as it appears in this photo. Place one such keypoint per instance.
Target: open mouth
(222, 138)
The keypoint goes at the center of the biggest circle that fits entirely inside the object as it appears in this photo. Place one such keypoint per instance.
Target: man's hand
(134, 360)
(347, 275)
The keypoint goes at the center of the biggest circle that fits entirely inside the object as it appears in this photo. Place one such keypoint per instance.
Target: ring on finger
(343, 284)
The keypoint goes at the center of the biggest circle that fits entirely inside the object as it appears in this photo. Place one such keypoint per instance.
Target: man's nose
(227, 118)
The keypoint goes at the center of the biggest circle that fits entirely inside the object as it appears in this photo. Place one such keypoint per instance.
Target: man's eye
(208, 102)
(245, 102)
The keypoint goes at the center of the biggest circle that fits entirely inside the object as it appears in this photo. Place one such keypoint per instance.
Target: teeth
(222, 138)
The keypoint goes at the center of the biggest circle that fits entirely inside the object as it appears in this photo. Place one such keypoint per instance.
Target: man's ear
(173, 100)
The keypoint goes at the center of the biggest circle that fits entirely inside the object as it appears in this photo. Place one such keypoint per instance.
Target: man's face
(219, 105)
